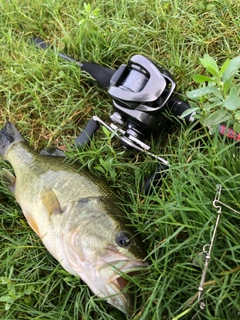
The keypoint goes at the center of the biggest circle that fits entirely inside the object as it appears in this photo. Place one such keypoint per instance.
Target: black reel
(141, 91)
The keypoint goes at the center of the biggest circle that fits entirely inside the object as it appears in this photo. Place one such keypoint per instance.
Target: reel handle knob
(86, 135)
(155, 179)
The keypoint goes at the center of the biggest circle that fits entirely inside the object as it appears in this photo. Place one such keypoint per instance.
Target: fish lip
(122, 265)
(130, 268)
(120, 282)
(117, 283)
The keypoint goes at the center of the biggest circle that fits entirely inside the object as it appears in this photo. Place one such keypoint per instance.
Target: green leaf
(200, 78)
(213, 102)
(237, 116)
(234, 91)
(198, 93)
(5, 280)
(215, 118)
(236, 127)
(208, 106)
(87, 7)
(224, 66)
(99, 168)
(211, 105)
(210, 64)
(232, 103)
(29, 290)
(7, 306)
(231, 69)
(106, 131)
(61, 74)
(69, 279)
(189, 111)
(7, 298)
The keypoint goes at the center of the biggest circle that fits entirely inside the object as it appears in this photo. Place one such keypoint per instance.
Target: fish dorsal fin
(8, 179)
(50, 201)
(52, 152)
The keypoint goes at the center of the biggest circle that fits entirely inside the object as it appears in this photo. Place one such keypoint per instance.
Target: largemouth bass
(76, 217)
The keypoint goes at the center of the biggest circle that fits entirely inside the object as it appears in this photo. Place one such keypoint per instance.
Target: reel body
(140, 90)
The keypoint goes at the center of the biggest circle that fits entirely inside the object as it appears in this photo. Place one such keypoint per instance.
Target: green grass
(50, 102)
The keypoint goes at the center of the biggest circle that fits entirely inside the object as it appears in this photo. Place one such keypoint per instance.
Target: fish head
(103, 250)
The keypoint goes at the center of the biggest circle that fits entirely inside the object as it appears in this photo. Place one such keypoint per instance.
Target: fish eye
(123, 239)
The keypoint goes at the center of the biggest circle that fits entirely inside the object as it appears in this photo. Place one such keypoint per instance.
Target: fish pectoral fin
(33, 224)
(8, 179)
(51, 202)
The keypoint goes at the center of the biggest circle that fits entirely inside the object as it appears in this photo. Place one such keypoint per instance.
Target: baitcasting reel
(143, 94)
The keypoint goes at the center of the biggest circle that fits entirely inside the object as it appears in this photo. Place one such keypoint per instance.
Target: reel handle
(87, 134)
(155, 179)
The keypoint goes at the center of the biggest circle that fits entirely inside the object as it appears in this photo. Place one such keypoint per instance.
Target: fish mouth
(118, 282)
(127, 271)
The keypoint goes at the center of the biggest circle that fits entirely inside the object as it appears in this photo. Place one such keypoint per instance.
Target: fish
(77, 218)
